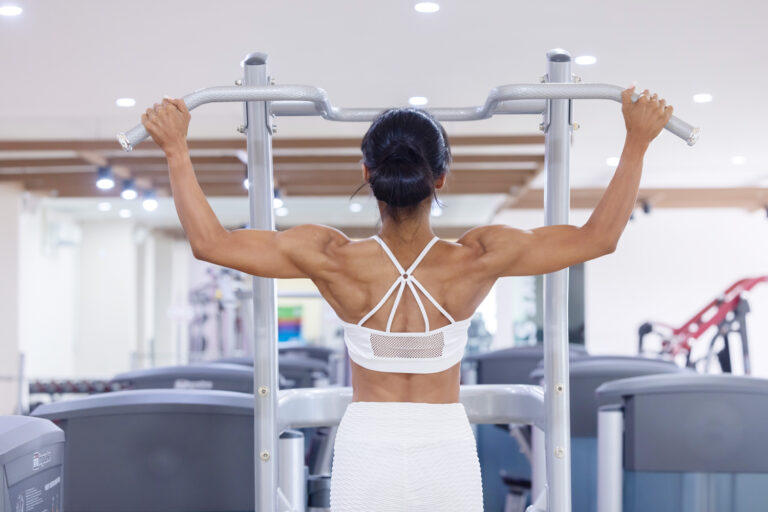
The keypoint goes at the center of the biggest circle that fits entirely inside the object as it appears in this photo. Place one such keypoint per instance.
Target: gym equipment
(224, 377)
(504, 450)
(31, 453)
(728, 312)
(683, 442)
(157, 450)
(552, 99)
(587, 374)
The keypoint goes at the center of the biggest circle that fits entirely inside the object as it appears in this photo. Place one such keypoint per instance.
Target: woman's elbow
(607, 245)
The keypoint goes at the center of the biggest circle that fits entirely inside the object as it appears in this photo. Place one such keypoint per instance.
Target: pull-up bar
(304, 100)
(553, 100)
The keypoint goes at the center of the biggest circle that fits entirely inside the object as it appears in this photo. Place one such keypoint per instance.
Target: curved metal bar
(505, 99)
(489, 403)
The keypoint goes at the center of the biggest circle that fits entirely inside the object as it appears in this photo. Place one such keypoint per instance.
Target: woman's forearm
(197, 218)
(615, 207)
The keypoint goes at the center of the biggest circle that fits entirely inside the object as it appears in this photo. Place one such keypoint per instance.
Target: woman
(405, 442)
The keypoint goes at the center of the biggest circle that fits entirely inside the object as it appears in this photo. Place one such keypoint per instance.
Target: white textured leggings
(405, 457)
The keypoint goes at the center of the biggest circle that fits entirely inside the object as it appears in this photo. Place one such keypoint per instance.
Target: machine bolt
(577, 79)
(239, 81)
(576, 126)
(542, 127)
(264, 455)
(272, 80)
(543, 79)
(274, 128)
(241, 128)
(559, 388)
(263, 390)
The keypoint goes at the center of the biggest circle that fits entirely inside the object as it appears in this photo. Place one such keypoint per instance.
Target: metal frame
(485, 404)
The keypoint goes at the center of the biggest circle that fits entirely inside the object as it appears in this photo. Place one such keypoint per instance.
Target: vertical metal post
(610, 459)
(265, 377)
(557, 126)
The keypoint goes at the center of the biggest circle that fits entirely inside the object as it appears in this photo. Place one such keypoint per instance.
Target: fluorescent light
(125, 102)
(418, 101)
(125, 213)
(702, 97)
(277, 202)
(281, 212)
(738, 160)
(355, 207)
(427, 7)
(585, 60)
(105, 180)
(612, 161)
(10, 10)
(149, 204)
(105, 206)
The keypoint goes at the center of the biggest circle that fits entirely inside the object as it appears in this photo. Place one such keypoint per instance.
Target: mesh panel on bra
(408, 346)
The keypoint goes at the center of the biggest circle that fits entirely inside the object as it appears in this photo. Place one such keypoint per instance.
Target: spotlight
(10, 10)
(129, 191)
(277, 201)
(105, 207)
(702, 97)
(125, 102)
(125, 213)
(355, 207)
(105, 180)
(585, 60)
(246, 184)
(281, 212)
(646, 207)
(436, 210)
(149, 203)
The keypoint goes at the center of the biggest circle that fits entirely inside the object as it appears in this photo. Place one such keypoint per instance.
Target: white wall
(10, 196)
(106, 338)
(48, 295)
(667, 266)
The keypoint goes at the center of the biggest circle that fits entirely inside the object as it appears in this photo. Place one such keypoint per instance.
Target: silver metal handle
(308, 100)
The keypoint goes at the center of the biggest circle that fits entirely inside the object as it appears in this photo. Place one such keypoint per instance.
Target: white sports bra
(406, 352)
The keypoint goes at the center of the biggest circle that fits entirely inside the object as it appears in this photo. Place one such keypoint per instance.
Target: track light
(129, 191)
(149, 203)
(646, 207)
(105, 181)
(277, 201)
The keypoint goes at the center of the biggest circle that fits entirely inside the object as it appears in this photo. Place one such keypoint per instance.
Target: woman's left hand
(167, 123)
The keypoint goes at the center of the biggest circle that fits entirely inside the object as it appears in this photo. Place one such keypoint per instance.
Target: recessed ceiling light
(281, 212)
(612, 161)
(125, 213)
(418, 101)
(585, 60)
(129, 191)
(738, 160)
(355, 207)
(436, 211)
(105, 206)
(702, 97)
(125, 102)
(10, 10)
(277, 202)
(246, 183)
(427, 7)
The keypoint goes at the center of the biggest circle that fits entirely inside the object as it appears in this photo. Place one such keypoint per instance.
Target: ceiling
(70, 60)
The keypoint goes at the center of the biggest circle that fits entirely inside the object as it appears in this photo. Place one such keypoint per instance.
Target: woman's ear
(366, 173)
(440, 182)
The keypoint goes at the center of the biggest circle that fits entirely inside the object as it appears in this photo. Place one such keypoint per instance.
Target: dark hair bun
(403, 176)
(405, 151)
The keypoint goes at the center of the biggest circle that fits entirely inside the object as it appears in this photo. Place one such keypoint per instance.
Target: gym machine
(552, 99)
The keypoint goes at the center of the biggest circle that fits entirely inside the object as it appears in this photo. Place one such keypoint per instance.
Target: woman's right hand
(646, 117)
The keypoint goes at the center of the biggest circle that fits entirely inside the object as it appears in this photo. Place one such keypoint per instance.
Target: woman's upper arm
(302, 251)
(508, 251)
